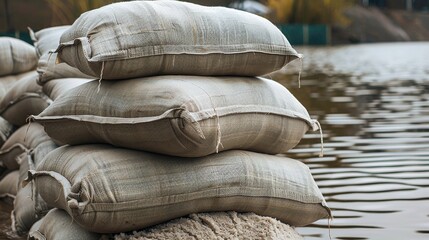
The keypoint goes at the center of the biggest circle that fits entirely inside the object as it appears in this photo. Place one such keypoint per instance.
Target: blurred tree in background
(310, 11)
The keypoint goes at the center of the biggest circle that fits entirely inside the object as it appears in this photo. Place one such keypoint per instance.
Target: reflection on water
(373, 103)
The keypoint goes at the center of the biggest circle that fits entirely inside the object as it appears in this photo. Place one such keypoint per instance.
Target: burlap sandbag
(9, 185)
(54, 88)
(29, 207)
(6, 129)
(188, 116)
(49, 69)
(145, 38)
(24, 139)
(6, 82)
(16, 56)
(25, 98)
(58, 225)
(108, 190)
(218, 225)
(47, 39)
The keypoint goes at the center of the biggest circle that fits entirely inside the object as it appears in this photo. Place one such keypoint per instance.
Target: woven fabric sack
(108, 190)
(53, 89)
(16, 56)
(9, 185)
(6, 82)
(25, 98)
(47, 39)
(58, 225)
(189, 116)
(217, 225)
(29, 207)
(145, 38)
(6, 129)
(49, 69)
(25, 139)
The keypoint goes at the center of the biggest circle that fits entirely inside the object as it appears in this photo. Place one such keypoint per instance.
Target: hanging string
(101, 77)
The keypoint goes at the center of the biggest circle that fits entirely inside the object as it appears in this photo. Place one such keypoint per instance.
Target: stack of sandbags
(204, 125)
(18, 59)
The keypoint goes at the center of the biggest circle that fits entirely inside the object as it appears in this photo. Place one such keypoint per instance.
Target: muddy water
(373, 104)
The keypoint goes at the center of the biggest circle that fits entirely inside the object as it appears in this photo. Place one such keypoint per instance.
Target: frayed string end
(101, 77)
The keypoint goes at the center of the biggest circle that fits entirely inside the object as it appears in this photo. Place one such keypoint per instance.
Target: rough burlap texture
(25, 139)
(58, 225)
(54, 88)
(145, 38)
(29, 207)
(16, 56)
(189, 116)
(108, 190)
(47, 39)
(6, 129)
(49, 69)
(216, 226)
(9, 185)
(6, 82)
(24, 98)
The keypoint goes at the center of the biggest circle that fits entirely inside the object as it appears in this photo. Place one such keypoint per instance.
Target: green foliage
(310, 11)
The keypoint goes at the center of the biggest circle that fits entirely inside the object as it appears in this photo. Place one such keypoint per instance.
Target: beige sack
(58, 225)
(49, 69)
(16, 56)
(25, 98)
(9, 185)
(145, 38)
(6, 82)
(25, 139)
(189, 116)
(47, 39)
(218, 225)
(110, 190)
(29, 207)
(6, 129)
(53, 89)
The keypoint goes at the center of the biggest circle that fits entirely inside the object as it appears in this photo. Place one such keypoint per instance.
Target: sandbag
(6, 129)
(25, 139)
(189, 116)
(9, 185)
(16, 56)
(25, 98)
(58, 225)
(47, 39)
(29, 207)
(48, 69)
(53, 89)
(145, 38)
(6, 82)
(217, 225)
(110, 190)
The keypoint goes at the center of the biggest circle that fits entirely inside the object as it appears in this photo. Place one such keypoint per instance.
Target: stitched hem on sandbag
(156, 50)
(195, 116)
(249, 192)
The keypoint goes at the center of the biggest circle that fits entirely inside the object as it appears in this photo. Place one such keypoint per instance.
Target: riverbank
(369, 25)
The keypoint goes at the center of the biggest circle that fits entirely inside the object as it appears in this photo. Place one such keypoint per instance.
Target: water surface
(373, 104)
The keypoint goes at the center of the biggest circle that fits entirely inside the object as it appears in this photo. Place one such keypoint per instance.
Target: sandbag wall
(159, 118)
